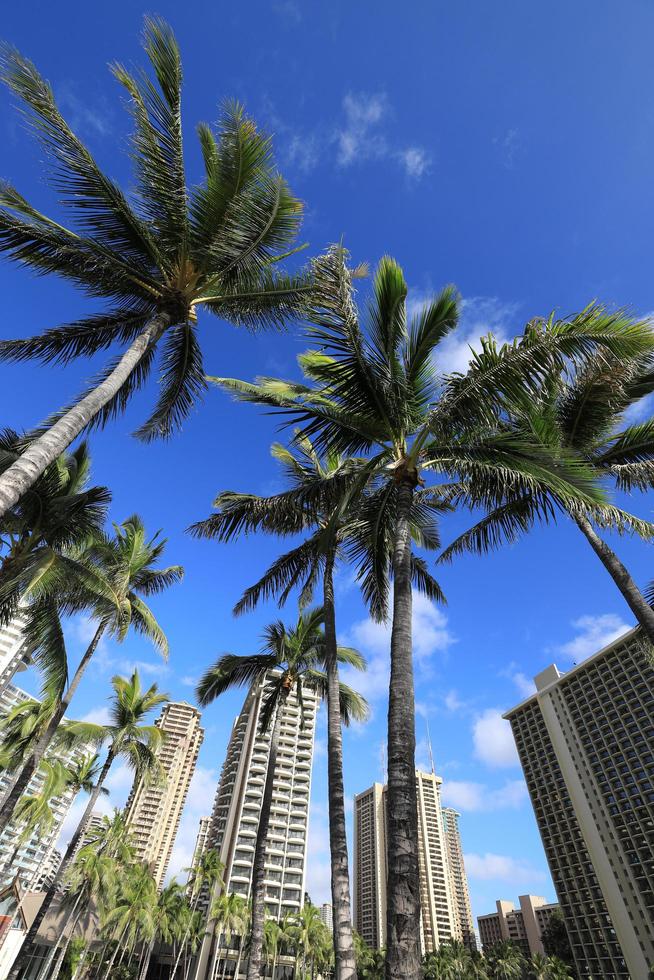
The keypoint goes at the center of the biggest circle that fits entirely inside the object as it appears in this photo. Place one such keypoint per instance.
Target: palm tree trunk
(23, 955)
(66, 940)
(20, 476)
(620, 574)
(403, 895)
(146, 961)
(33, 760)
(258, 890)
(345, 963)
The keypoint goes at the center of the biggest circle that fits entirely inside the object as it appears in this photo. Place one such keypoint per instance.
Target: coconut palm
(230, 916)
(290, 658)
(557, 969)
(59, 512)
(272, 936)
(131, 920)
(155, 256)
(168, 922)
(582, 413)
(378, 391)
(307, 936)
(129, 739)
(506, 961)
(204, 876)
(336, 507)
(125, 567)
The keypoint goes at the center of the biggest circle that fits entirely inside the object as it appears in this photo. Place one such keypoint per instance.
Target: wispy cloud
(593, 633)
(493, 740)
(502, 868)
(510, 146)
(83, 118)
(480, 798)
(362, 132)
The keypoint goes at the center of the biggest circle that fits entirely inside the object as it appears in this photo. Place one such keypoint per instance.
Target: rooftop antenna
(431, 754)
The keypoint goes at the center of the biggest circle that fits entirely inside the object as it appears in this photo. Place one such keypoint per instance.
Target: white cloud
(82, 118)
(525, 684)
(415, 161)
(594, 633)
(430, 635)
(97, 716)
(189, 680)
(493, 740)
(478, 797)
(501, 868)
(358, 138)
(453, 702)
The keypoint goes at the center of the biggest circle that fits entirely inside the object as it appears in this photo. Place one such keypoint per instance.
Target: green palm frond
(232, 671)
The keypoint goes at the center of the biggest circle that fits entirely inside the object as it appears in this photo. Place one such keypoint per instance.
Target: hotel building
(523, 926)
(586, 744)
(237, 806)
(154, 810)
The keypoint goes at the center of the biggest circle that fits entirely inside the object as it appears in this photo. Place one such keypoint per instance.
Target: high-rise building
(458, 878)
(523, 926)
(12, 657)
(25, 858)
(441, 904)
(237, 806)
(586, 744)
(327, 915)
(47, 871)
(200, 847)
(154, 810)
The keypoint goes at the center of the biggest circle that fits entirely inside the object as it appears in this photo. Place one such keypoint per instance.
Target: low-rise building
(523, 926)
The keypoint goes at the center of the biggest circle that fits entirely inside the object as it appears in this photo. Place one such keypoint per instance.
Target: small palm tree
(125, 567)
(204, 876)
(230, 915)
(290, 659)
(344, 517)
(61, 511)
(538, 967)
(168, 921)
(155, 257)
(272, 935)
(131, 920)
(580, 414)
(506, 961)
(307, 937)
(128, 738)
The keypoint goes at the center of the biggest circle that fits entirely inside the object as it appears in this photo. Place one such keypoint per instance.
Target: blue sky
(503, 147)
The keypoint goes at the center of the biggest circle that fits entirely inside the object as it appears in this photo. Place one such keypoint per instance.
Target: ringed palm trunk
(403, 892)
(620, 574)
(24, 954)
(345, 962)
(34, 759)
(255, 960)
(20, 476)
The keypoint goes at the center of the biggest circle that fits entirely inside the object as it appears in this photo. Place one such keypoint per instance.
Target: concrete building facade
(153, 811)
(445, 904)
(523, 926)
(327, 915)
(586, 744)
(235, 817)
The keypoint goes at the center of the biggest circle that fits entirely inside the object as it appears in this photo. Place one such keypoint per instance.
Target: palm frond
(231, 671)
(182, 383)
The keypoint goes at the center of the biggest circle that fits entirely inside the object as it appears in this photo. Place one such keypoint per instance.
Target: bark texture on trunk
(25, 951)
(255, 961)
(34, 759)
(620, 574)
(345, 961)
(403, 892)
(20, 476)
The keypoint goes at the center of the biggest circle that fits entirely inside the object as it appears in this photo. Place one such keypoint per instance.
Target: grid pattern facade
(237, 807)
(458, 879)
(12, 658)
(26, 859)
(370, 870)
(153, 811)
(523, 926)
(586, 743)
(439, 921)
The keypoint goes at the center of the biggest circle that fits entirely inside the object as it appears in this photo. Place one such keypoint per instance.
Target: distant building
(12, 656)
(523, 926)
(586, 744)
(199, 849)
(327, 915)
(48, 870)
(445, 905)
(235, 817)
(153, 810)
(25, 859)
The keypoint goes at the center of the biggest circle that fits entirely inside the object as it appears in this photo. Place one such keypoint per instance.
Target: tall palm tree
(307, 936)
(378, 390)
(204, 876)
(229, 914)
(272, 935)
(343, 516)
(58, 513)
(155, 256)
(581, 413)
(168, 921)
(131, 920)
(127, 572)
(128, 738)
(290, 659)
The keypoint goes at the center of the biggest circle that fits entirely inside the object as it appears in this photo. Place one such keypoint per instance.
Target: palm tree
(126, 569)
(343, 516)
(557, 969)
(132, 918)
(307, 936)
(154, 256)
(230, 915)
(205, 874)
(538, 967)
(506, 961)
(289, 659)
(379, 391)
(581, 414)
(128, 738)
(168, 921)
(59, 512)
(272, 935)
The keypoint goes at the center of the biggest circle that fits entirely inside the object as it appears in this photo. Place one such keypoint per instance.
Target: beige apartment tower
(153, 812)
(235, 817)
(441, 865)
(586, 744)
(523, 926)
(458, 878)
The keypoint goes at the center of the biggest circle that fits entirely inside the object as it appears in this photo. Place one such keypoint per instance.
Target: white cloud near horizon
(593, 634)
(493, 740)
(476, 797)
(502, 868)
